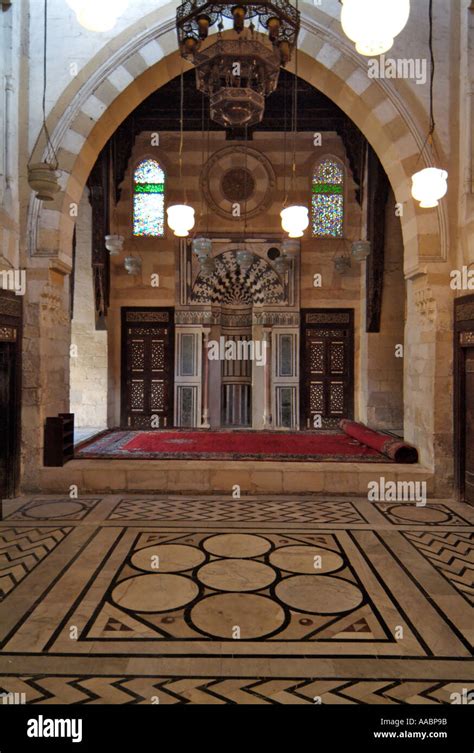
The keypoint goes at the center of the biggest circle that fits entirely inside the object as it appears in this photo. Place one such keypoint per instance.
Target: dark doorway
(327, 367)
(10, 393)
(237, 386)
(147, 368)
(464, 397)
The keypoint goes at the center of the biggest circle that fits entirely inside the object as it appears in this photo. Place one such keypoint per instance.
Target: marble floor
(263, 600)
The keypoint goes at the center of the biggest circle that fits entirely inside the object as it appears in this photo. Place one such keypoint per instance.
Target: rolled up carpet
(395, 449)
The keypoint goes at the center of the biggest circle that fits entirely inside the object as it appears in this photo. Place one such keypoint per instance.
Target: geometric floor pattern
(262, 600)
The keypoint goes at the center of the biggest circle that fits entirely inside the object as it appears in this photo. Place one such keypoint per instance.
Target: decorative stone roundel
(237, 184)
(237, 174)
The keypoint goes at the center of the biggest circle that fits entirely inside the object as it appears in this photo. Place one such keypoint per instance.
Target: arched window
(327, 199)
(149, 199)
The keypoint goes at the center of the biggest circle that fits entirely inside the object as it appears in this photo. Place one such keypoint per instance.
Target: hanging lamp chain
(295, 116)
(432, 125)
(49, 146)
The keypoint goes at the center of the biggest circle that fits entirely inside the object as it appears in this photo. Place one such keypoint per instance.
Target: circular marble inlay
(237, 184)
(419, 514)
(319, 595)
(301, 559)
(54, 510)
(237, 545)
(255, 616)
(171, 558)
(236, 575)
(154, 593)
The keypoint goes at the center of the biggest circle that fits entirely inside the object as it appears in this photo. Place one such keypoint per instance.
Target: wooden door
(327, 360)
(147, 369)
(464, 398)
(469, 426)
(9, 414)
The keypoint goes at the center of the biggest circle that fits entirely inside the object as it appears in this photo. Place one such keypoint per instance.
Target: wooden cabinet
(58, 440)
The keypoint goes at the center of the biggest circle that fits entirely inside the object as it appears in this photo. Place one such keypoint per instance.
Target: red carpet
(395, 449)
(228, 445)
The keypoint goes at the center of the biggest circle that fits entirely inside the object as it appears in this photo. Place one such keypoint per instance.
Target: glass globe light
(98, 16)
(180, 219)
(294, 220)
(373, 24)
(428, 186)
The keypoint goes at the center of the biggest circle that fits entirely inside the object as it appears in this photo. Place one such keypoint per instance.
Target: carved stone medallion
(237, 174)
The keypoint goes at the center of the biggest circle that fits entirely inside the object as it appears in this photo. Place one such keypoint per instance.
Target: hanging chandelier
(237, 72)
(373, 24)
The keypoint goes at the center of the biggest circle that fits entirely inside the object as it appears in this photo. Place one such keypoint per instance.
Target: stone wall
(88, 347)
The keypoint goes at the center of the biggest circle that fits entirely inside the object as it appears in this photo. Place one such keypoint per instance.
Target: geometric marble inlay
(221, 600)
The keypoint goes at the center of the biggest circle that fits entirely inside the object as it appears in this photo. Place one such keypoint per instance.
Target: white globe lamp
(429, 186)
(180, 219)
(98, 16)
(373, 24)
(294, 220)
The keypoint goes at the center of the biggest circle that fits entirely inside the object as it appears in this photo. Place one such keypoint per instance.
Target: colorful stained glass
(149, 199)
(327, 201)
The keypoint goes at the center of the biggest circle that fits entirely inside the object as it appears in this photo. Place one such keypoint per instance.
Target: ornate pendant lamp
(181, 216)
(97, 15)
(430, 184)
(373, 24)
(239, 71)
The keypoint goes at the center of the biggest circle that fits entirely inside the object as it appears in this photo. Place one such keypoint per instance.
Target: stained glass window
(149, 199)
(327, 199)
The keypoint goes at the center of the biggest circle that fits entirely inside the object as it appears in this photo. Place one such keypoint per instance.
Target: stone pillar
(267, 411)
(428, 375)
(205, 379)
(46, 344)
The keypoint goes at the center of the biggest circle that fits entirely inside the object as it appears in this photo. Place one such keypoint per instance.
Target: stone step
(217, 476)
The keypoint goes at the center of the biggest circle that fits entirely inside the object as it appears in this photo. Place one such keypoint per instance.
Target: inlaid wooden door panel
(469, 426)
(147, 372)
(327, 368)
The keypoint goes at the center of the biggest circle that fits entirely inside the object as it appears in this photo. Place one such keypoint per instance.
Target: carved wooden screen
(464, 397)
(147, 368)
(237, 388)
(327, 356)
(10, 392)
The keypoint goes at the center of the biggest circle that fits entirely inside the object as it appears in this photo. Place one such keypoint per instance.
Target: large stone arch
(120, 77)
(145, 57)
